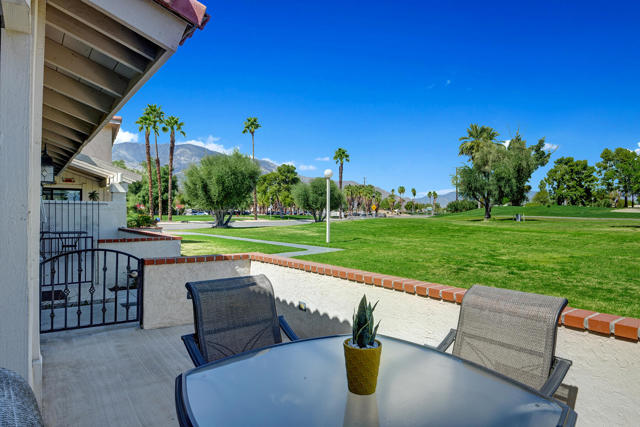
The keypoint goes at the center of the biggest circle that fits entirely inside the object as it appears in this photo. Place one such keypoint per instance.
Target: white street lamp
(328, 174)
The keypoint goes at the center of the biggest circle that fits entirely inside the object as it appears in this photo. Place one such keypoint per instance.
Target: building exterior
(66, 66)
(91, 171)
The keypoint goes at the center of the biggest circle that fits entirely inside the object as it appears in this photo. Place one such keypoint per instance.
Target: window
(71, 194)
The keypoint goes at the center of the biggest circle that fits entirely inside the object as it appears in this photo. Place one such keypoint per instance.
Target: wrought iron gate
(89, 287)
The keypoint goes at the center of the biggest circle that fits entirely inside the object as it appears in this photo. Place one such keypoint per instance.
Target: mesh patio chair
(513, 333)
(232, 316)
(18, 405)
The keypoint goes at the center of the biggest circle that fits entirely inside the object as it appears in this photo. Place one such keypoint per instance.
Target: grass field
(595, 264)
(178, 218)
(562, 211)
(207, 245)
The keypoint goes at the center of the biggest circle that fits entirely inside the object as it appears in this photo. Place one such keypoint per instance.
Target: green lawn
(207, 245)
(595, 264)
(178, 218)
(566, 211)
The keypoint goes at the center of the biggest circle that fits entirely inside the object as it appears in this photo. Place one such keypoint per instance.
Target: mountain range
(184, 155)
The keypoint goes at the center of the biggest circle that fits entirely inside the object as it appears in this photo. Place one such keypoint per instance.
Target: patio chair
(513, 333)
(18, 405)
(232, 316)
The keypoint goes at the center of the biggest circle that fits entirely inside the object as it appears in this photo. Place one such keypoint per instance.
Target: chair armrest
(558, 371)
(287, 329)
(193, 349)
(447, 341)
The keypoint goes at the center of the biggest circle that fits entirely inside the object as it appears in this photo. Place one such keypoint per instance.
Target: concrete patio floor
(112, 376)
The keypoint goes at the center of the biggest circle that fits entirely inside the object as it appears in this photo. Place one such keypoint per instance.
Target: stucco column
(21, 68)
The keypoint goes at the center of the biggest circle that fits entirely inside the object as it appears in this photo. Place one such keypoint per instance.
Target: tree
(276, 186)
(138, 192)
(618, 170)
(476, 138)
(145, 123)
(251, 125)
(401, 191)
(312, 197)
(350, 192)
(156, 116)
(488, 177)
(523, 161)
(435, 197)
(413, 199)
(455, 181)
(571, 182)
(497, 171)
(430, 197)
(94, 196)
(542, 196)
(221, 184)
(340, 157)
(172, 124)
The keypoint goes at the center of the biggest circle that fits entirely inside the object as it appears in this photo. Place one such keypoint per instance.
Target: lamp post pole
(328, 174)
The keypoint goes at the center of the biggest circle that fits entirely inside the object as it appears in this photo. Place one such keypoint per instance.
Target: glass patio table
(304, 383)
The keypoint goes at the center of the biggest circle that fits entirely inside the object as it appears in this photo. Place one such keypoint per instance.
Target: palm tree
(435, 197)
(430, 195)
(251, 125)
(340, 157)
(476, 137)
(172, 124)
(145, 123)
(413, 205)
(401, 192)
(157, 118)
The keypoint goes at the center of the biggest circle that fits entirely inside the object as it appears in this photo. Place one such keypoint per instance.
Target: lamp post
(328, 174)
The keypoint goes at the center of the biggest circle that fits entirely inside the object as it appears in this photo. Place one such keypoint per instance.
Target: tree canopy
(499, 172)
(619, 170)
(312, 197)
(571, 182)
(221, 184)
(138, 192)
(275, 187)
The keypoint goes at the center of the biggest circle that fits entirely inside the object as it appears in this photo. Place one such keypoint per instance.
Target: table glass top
(304, 383)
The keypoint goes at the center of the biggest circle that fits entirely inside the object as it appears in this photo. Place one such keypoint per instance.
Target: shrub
(461, 206)
(140, 220)
(602, 203)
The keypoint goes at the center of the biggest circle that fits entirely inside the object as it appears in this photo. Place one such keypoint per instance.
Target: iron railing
(67, 225)
(90, 287)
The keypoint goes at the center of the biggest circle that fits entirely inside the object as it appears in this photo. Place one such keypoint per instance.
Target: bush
(140, 220)
(461, 206)
(602, 203)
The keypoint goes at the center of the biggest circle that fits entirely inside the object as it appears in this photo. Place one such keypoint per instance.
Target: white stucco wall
(147, 248)
(106, 217)
(21, 75)
(165, 300)
(606, 370)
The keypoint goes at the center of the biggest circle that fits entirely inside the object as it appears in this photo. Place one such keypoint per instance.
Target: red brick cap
(627, 328)
(601, 323)
(576, 318)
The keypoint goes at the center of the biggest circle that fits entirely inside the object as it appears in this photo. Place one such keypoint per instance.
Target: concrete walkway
(178, 225)
(307, 249)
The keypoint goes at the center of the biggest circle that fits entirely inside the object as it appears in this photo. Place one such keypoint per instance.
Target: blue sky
(397, 83)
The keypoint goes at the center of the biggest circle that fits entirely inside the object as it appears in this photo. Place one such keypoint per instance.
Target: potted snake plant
(362, 351)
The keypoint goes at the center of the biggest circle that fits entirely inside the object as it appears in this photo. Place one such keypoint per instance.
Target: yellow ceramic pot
(362, 367)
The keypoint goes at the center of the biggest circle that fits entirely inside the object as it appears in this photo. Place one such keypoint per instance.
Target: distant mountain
(443, 199)
(184, 156)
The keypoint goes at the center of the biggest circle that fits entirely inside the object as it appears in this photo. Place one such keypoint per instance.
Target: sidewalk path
(307, 249)
(176, 225)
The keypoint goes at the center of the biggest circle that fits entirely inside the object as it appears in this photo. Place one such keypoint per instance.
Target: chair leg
(567, 394)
